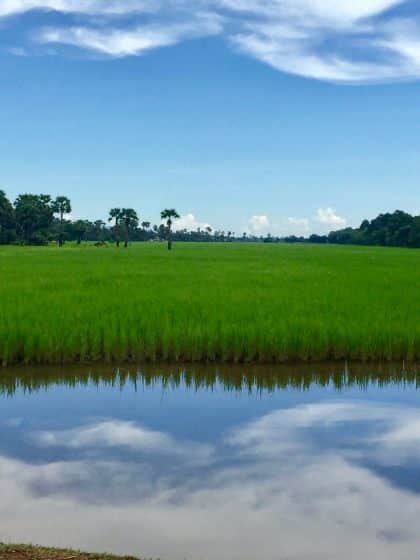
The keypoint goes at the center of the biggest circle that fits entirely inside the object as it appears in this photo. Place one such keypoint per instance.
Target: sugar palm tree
(61, 205)
(115, 214)
(169, 214)
(80, 228)
(130, 220)
(98, 226)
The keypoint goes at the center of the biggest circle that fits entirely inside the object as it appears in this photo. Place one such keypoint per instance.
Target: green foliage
(115, 215)
(32, 222)
(79, 230)
(61, 205)
(7, 220)
(34, 216)
(169, 215)
(130, 220)
(233, 302)
(397, 229)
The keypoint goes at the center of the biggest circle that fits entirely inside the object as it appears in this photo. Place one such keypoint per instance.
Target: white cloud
(328, 40)
(330, 218)
(332, 483)
(259, 224)
(326, 494)
(190, 223)
(277, 431)
(116, 433)
(298, 226)
(346, 41)
(109, 433)
(96, 7)
(320, 10)
(130, 42)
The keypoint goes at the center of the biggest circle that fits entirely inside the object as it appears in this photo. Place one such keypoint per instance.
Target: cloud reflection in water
(300, 482)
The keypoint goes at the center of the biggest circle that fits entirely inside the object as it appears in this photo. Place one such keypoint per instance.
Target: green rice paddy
(226, 302)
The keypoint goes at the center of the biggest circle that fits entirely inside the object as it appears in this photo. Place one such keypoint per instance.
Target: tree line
(396, 229)
(39, 219)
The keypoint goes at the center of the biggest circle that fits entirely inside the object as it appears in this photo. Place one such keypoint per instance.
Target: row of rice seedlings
(265, 343)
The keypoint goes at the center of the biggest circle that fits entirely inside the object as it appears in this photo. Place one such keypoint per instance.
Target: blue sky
(288, 116)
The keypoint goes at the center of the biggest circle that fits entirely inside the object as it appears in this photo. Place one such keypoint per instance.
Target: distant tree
(390, 229)
(130, 220)
(161, 232)
(80, 229)
(342, 237)
(116, 215)
(145, 232)
(98, 230)
(34, 216)
(414, 235)
(294, 239)
(7, 220)
(314, 238)
(364, 226)
(61, 206)
(169, 215)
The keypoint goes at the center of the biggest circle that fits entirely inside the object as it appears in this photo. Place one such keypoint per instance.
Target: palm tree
(115, 214)
(130, 219)
(145, 231)
(80, 228)
(61, 205)
(169, 214)
(99, 231)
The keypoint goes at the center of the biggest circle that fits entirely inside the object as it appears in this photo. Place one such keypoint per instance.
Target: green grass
(208, 302)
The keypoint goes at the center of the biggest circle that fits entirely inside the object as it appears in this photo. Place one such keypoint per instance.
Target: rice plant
(220, 303)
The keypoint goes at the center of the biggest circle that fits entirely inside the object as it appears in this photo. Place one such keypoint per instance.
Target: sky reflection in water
(173, 472)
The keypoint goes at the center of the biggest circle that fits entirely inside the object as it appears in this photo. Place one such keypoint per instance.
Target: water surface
(313, 462)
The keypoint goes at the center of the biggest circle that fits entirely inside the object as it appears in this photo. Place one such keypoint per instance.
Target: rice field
(221, 303)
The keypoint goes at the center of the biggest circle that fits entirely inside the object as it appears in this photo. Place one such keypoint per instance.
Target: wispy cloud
(120, 434)
(335, 41)
(95, 7)
(352, 42)
(129, 42)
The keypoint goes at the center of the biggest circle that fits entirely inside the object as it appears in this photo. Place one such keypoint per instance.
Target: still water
(313, 463)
